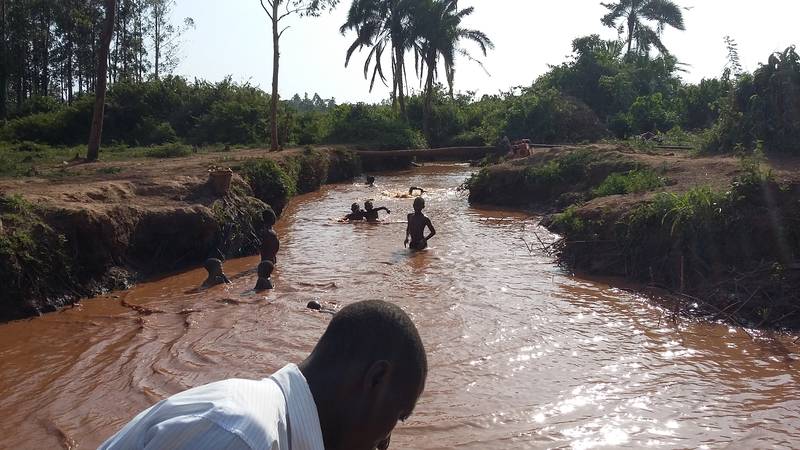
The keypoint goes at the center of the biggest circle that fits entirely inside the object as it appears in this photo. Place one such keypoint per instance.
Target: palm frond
(664, 12)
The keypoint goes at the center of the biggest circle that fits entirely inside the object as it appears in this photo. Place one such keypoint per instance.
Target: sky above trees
(232, 38)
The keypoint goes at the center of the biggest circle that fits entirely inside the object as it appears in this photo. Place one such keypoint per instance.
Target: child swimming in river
(356, 213)
(264, 273)
(269, 239)
(371, 213)
(215, 274)
(417, 222)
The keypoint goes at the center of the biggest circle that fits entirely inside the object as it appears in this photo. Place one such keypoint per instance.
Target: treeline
(606, 89)
(48, 49)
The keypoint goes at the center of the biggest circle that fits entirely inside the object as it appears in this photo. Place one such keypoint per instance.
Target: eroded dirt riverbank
(522, 355)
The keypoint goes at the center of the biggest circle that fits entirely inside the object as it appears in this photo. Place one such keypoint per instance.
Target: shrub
(632, 182)
(371, 127)
(270, 183)
(169, 151)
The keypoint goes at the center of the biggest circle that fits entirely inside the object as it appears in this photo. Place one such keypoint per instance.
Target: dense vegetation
(606, 89)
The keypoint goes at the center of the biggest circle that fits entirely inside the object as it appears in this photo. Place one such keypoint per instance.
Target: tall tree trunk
(276, 55)
(45, 80)
(401, 93)
(100, 91)
(3, 63)
(157, 37)
(631, 24)
(426, 108)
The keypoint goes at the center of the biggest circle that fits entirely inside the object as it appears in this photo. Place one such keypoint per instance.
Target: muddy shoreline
(721, 235)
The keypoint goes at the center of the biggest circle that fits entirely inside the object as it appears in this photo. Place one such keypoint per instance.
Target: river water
(522, 355)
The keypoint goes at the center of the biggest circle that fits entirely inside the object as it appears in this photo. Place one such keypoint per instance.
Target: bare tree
(165, 36)
(96, 132)
(278, 10)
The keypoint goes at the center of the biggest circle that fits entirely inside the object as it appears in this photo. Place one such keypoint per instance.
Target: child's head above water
(269, 217)
(355, 207)
(419, 204)
(368, 205)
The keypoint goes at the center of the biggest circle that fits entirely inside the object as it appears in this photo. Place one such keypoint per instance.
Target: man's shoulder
(252, 412)
(252, 409)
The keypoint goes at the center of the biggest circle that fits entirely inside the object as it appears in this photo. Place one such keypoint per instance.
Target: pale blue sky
(232, 38)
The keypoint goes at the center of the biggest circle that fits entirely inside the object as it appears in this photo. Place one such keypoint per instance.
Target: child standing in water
(269, 239)
(215, 274)
(264, 273)
(371, 213)
(417, 222)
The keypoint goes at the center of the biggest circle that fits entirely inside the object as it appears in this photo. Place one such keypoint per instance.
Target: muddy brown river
(522, 354)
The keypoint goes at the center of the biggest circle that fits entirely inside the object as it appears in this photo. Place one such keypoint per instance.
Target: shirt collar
(304, 427)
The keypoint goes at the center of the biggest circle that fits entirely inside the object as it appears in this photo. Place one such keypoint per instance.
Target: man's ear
(377, 374)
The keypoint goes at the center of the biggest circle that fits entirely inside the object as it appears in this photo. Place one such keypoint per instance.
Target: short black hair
(370, 331)
(269, 216)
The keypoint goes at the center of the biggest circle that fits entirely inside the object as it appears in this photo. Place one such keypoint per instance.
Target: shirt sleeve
(192, 433)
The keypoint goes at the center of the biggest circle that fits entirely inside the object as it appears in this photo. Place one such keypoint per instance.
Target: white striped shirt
(276, 413)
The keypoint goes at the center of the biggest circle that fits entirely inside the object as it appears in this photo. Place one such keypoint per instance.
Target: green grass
(568, 168)
(173, 150)
(21, 159)
(631, 182)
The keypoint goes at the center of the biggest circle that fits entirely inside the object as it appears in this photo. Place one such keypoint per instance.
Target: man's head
(355, 207)
(370, 180)
(213, 266)
(265, 269)
(419, 204)
(366, 372)
(368, 205)
(269, 217)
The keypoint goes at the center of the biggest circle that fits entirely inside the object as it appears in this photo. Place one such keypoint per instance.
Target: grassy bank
(722, 234)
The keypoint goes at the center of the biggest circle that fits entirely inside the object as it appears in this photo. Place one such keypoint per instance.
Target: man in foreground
(366, 372)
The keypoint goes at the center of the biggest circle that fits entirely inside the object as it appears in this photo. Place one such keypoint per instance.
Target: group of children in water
(415, 238)
(269, 252)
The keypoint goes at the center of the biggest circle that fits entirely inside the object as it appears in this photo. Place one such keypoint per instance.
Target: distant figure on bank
(414, 189)
(370, 181)
(417, 222)
(371, 212)
(264, 273)
(215, 273)
(269, 239)
(366, 372)
(356, 213)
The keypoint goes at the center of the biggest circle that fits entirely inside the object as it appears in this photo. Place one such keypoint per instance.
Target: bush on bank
(275, 181)
(701, 242)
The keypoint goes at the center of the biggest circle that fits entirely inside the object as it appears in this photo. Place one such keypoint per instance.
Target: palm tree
(635, 15)
(382, 25)
(439, 35)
